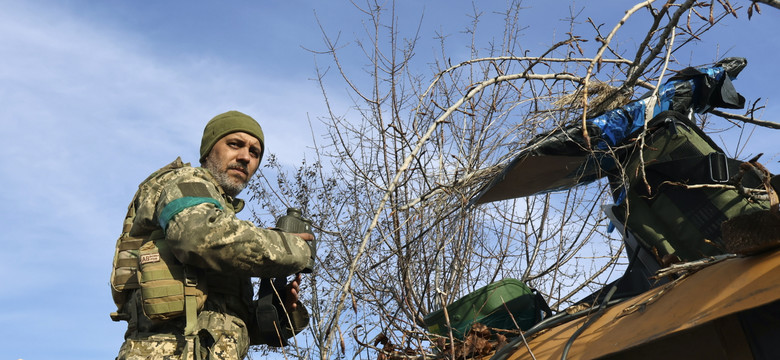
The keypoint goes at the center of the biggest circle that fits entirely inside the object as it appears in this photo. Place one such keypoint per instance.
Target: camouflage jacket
(201, 230)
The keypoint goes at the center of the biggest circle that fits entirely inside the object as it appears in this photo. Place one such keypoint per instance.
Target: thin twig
(597, 59)
(691, 266)
(747, 119)
(650, 110)
(773, 3)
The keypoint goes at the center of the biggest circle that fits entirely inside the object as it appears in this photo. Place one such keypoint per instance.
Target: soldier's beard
(231, 185)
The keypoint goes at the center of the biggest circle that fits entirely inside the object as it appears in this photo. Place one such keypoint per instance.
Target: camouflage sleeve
(201, 232)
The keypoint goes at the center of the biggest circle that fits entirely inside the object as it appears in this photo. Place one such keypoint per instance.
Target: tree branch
(773, 3)
(747, 119)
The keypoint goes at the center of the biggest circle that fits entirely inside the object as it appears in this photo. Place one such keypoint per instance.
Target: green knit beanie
(228, 123)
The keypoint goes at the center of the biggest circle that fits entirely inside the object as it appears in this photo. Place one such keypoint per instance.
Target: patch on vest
(149, 258)
(194, 189)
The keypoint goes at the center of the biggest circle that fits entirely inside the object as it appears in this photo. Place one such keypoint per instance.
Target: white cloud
(88, 112)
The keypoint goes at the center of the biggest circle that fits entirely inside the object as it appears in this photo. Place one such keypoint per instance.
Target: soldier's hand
(305, 236)
(292, 289)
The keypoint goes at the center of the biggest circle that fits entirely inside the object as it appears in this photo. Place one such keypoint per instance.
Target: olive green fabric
(504, 304)
(228, 123)
(166, 284)
(672, 220)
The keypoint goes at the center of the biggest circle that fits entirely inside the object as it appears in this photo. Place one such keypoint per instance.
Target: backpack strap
(191, 312)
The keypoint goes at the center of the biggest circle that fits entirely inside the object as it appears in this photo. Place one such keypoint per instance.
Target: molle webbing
(124, 274)
(170, 289)
(166, 284)
(126, 265)
(662, 208)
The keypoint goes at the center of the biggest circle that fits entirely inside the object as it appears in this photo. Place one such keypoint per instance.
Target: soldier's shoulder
(182, 173)
(189, 172)
(171, 174)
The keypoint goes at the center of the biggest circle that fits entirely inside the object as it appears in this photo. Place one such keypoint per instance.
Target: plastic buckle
(190, 279)
(117, 316)
(719, 167)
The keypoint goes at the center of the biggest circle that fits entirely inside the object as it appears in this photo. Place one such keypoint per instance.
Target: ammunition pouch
(169, 289)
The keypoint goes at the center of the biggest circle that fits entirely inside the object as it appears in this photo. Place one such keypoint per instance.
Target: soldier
(182, 266)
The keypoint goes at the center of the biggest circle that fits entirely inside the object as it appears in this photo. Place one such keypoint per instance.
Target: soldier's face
(233, 160)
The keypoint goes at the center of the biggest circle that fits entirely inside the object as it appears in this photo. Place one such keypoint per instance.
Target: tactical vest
(169, 289)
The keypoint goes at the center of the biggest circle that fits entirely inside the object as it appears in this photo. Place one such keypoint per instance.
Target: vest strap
(190, 303)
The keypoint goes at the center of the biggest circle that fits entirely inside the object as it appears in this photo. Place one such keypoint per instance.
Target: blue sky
(95, 95)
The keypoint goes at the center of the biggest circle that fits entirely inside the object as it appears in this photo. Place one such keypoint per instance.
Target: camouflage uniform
(202, 231)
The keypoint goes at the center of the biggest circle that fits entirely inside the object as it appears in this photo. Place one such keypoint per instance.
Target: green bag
(499, 305)
(673, 220)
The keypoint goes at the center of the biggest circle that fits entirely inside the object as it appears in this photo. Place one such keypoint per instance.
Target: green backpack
(504, 304)
(671, 221)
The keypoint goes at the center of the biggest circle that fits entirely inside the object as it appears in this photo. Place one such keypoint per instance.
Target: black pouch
(272, 323)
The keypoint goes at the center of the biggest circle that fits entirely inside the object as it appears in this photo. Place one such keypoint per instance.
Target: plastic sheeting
(560, 159)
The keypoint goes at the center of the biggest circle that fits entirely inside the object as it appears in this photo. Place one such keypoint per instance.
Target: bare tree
(388, 190)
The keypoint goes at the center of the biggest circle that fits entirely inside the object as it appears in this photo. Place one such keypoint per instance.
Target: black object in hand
(294, 222)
